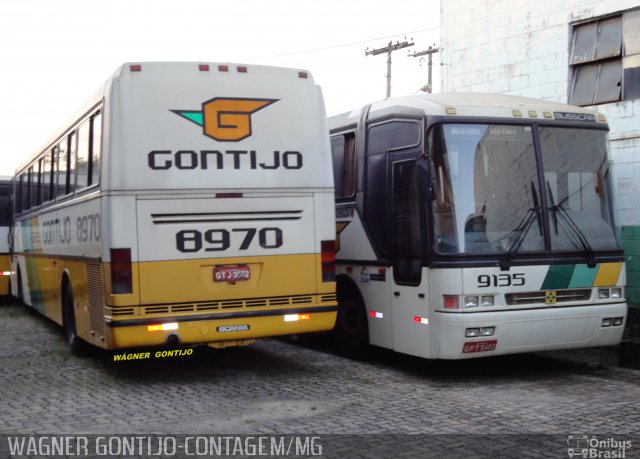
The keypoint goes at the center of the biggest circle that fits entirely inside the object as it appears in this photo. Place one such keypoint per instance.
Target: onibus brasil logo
(226, 119)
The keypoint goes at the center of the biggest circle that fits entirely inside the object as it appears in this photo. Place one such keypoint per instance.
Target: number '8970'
(501, 280)
(214, 240)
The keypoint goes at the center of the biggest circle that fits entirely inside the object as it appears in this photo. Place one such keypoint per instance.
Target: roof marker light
(242, 69)
(203, 67)
(135, 68)
(303, 75)
(517, 113)
(223, 68)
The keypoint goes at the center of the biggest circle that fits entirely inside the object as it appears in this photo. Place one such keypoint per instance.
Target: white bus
(475, 225)
(186, 203)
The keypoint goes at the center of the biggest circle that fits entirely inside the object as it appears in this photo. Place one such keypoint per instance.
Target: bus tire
(20, 291)
(77, 345)
(350, 335)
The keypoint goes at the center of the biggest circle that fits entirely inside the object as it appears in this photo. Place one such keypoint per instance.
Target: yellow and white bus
(186, 203)
(475, 225)
(5, 223)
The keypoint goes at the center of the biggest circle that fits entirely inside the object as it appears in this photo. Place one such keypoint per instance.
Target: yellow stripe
(608, 274)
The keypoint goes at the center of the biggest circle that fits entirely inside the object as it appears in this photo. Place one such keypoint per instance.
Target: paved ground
(517, 406)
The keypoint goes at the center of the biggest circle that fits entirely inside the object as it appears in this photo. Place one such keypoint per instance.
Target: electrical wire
(344, 45)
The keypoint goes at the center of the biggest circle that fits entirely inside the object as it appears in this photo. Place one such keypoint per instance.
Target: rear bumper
(528, 330)
(220, 327)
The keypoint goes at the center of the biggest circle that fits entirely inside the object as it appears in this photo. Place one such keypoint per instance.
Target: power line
(343, 45)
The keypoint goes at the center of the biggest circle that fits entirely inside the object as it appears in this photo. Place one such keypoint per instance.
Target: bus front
(218, 205)
(522, 243)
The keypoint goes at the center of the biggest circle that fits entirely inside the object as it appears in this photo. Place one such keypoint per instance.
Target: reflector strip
(421, 320)
(162, 327)
(6, 273)
(377, 315)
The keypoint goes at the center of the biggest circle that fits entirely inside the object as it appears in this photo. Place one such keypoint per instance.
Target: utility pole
(429, 52)
(388, 49)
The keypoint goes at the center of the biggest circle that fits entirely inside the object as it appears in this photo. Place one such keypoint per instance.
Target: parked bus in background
(186, 203)
(475, 225)
(5, 223)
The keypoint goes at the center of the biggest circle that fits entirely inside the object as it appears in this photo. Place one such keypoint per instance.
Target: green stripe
(583, 276)
(558, 277)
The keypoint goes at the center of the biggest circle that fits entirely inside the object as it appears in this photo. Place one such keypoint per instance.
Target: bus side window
(73, 150)
(46, 176)
(343, 152)
(82, 164)
(62, 167)
(95, 149)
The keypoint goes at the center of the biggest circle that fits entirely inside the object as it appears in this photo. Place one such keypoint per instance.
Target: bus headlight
(616, 292)
(487, 301)
(470, 301)
(472, 332)
(603, 293)
(487, 331)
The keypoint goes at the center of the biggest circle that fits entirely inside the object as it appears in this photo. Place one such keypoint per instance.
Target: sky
(54, 54)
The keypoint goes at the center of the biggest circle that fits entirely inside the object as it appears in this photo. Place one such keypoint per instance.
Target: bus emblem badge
(226, 119)
(550, 297)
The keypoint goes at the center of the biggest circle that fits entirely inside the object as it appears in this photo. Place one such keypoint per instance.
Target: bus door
(411, 320)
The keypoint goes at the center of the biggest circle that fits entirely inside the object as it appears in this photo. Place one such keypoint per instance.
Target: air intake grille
(95, 293)
(541, 296)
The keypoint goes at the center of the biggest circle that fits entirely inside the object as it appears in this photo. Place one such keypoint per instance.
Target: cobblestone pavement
(282, 388)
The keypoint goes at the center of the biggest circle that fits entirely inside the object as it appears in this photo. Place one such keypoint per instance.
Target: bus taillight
(121, 271)
(328, 257)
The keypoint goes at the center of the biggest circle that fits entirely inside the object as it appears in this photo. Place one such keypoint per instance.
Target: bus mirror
(425, 183)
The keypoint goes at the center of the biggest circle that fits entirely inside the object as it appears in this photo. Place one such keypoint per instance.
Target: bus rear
(216, 206)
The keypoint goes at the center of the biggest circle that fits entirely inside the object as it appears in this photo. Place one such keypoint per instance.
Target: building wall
(522, 47)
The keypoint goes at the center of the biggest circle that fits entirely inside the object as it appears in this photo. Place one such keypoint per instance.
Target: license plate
(479, 346)
(231, 273)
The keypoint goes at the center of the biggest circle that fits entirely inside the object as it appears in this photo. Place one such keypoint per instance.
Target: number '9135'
(501, 280)
(214, 240)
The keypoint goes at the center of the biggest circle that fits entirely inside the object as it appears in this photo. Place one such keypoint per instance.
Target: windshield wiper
(558, 210)
(517, 236)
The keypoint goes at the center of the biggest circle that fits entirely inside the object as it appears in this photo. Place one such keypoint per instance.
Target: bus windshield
(489, 191)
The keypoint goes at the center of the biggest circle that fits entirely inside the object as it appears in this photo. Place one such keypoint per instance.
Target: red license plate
(479, 346)
(231, 273)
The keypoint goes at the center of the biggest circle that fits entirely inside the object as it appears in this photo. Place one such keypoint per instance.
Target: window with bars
(605, 60)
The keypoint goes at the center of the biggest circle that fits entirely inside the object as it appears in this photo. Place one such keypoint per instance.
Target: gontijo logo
(226, 119)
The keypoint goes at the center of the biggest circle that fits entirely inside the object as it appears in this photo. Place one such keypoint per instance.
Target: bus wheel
(20, 292)
(351, 334)
(76, 344)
